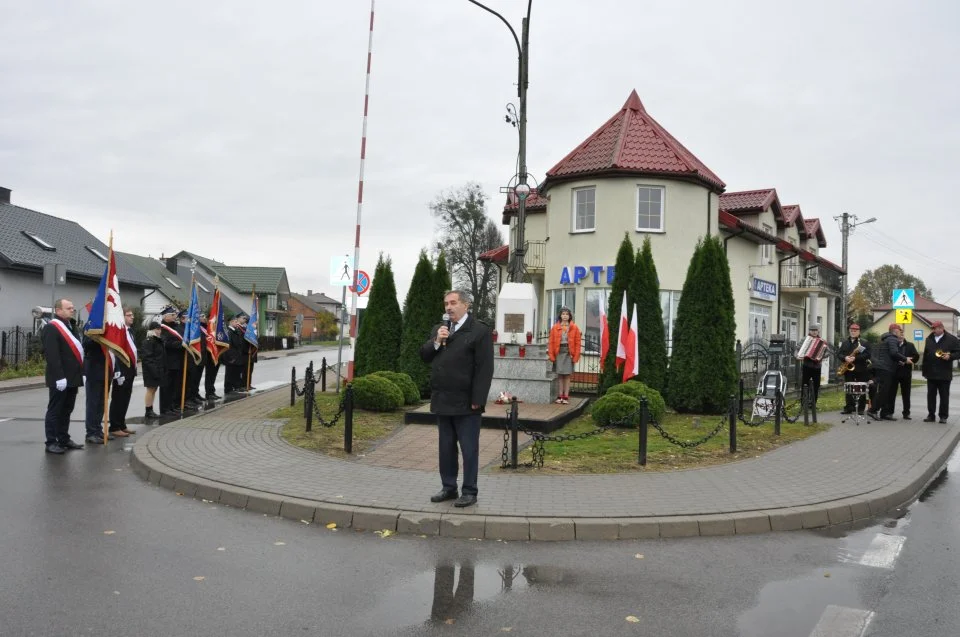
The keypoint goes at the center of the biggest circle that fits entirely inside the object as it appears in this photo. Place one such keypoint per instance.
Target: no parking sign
(363, 281)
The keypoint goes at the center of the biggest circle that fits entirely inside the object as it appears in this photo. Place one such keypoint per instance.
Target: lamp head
(522, 190)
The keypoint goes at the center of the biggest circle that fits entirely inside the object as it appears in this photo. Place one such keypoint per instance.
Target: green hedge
(655, 402)
(376, 393)
(615, 407)
(411, 395)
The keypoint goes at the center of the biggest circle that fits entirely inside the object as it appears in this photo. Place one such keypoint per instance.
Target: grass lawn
(35, 367)
(615, 450)
(369, 427)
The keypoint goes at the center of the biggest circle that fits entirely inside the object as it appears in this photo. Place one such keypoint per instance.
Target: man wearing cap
(939, 352)
(810, 369)
(232, 358)
(852, 351)
(172, 336)
(886, 359)
(903, 375)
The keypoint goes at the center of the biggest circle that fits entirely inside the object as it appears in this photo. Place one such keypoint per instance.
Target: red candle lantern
(529, 337)
(523, 351)
(494, 333)
(503, 350)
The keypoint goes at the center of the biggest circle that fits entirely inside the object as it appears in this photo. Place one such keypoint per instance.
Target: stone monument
(520, 366)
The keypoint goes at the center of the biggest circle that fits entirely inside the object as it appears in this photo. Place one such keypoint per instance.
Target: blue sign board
(760, 289)
(591, 273)
(918, 335)
(903, 298)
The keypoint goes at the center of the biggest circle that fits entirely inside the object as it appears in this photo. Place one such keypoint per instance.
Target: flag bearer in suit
(123, 376)
(172, 332)
(233, 358)
(63, 376)
(94, 368)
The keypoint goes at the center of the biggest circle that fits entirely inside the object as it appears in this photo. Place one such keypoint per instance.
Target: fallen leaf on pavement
(109, 532)
(179, 492)
(639, 556)
(506, 629)
(633, 620)
(279, 543)
(450, 621)
(826, 574)
(332, 525)
(199, 578)
(220, 548)
(305, 521)
(384, 533)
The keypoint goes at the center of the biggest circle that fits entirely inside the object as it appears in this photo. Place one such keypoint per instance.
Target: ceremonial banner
(106, 324)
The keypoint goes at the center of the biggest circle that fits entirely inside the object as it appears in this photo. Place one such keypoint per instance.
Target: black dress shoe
(465, 501)
(929, 419)
(943, 421)
(443, 496)
(92, 440)
(69, 444)
(213, 397)
(57, 449)
(907, 417)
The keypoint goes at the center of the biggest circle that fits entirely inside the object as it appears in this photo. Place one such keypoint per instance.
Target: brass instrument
(846, 367)
(939, 353)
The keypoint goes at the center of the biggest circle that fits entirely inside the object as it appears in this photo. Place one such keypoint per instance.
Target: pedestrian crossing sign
(903, 298)
(904, 316)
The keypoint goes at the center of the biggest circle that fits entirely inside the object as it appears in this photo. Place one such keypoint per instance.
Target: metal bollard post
(644, 422)
(308, 402)
(306, 391)
(323, 374)
(348, 419)
(514, 426)
(733, 422)
(740, 404)
(293, 386)
(805, 404)
(778, 412)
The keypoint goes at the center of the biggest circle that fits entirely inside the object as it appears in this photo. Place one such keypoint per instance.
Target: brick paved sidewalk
(235, 455)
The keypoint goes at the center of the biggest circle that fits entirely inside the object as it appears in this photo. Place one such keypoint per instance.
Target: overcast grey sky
(177, 122)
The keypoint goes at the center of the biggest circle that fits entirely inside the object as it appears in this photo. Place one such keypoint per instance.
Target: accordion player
(811, 353)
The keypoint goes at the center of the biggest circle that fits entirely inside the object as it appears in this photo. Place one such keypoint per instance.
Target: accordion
(813, 348)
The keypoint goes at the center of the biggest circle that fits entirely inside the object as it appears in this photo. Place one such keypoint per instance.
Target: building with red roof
(632, 175)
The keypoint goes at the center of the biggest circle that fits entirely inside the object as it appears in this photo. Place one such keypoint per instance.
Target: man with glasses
(64, 376)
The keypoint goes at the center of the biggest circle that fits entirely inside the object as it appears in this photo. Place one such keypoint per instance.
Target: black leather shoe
(91, 440)
(443, 496)
(70, 445)
(887, 418)
(907, 417)
(873, 415)
(213, 397)
(943, 421)
(929, 419)
(57, 449)
(465, 501)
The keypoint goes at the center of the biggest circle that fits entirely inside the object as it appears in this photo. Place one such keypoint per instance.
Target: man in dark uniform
(903, 375)
(939, 352)
(172, 336)
(195, 369)
(123, 376)
(249, 354)
(210, 368)
(851, 351)
(885, 361)
(811, 371)
(232, 358)
(461, 359)
(94, 370)
(63, 376)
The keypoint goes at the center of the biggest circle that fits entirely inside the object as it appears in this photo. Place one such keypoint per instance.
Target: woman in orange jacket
(563, 348)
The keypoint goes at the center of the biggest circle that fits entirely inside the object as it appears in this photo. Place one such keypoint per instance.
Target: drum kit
(856, 390)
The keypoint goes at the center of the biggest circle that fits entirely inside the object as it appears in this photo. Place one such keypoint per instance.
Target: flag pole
(249, 353)
(106, 391)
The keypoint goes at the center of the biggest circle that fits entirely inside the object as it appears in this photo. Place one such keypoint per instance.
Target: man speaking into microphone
(460, 351)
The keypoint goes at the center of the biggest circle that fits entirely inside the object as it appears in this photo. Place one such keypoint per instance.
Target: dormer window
(40, 242)
(96, 253)
(200, 285)
(172, 282)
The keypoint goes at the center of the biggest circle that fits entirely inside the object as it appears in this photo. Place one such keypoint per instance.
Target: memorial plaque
(513, 323)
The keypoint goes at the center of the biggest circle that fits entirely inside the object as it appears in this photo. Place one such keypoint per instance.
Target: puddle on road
(456, 588)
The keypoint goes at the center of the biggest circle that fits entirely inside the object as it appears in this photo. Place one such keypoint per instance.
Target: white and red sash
(172, 331)
(70, 339)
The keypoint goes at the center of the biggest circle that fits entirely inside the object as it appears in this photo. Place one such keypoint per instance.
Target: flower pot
(503, 350)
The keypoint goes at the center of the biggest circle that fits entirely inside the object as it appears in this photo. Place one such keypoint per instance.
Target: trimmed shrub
(655, 403)
(616, 407)
(411, 395)
(376, 393)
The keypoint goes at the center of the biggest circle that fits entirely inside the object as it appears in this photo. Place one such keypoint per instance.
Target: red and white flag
(604, 332)
(631, 366)
(624, 333)
(107, 325)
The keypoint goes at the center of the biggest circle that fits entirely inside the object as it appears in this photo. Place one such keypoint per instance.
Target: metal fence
(586, 371)
(17, 346)
(755, 358)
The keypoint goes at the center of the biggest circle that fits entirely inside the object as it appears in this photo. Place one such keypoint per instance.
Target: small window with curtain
(650, 208)
(585, 209)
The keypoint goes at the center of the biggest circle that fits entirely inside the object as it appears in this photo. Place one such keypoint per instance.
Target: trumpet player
(903, 375)
(855, 359)
(939, 352)
(886, 359)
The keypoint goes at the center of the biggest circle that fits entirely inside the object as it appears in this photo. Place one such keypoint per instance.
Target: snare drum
(856, 389)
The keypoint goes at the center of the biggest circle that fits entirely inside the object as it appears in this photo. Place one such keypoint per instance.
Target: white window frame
(172, 282)
(96, 253)
(202, 287)
(663, 208)
(669, 302)
(40, 242)
(766, 250)
(568, 297)
(573, 213)
(762, 315)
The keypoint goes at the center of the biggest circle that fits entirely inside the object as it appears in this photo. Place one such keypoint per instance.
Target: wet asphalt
(87, 548)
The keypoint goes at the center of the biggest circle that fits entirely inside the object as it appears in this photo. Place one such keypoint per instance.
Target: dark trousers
(210, 371)
(903, 384)
(810, 376)
(856, 402)
(94, 415)
(941, 388)
(232, 378)
(119, 401)
(245, 379)
(56, 423)
(194, 376)
(464, 430)
(171, 390)
(885, 387)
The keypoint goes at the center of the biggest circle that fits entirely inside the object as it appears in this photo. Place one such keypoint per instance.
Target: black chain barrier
(688, 444)
(311, 410)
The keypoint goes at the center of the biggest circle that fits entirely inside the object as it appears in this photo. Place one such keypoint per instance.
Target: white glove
(61, 384)
(120, 380)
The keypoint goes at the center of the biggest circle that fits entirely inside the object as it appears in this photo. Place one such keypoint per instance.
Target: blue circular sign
(363, 282)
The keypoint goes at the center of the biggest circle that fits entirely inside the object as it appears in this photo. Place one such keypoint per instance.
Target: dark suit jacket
(936, 368)
(173, 347)
(61, 361)
(462, 370)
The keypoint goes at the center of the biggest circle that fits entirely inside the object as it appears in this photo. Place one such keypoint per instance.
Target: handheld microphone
(447, 324)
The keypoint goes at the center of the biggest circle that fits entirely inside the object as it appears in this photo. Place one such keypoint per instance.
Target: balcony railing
(534, 257)
(809, 278)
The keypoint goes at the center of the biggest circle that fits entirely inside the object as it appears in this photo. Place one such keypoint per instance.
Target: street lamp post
(846, 227)
(522, 190)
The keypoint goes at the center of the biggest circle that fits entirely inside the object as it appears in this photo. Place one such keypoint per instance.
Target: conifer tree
(442, 283)
(418, 319)
(623, 273)
(651, 337)
(703, 370)
(378, 344)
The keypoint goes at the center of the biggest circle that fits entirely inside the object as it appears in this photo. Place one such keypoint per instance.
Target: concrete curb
(22, 387)
(899, 493)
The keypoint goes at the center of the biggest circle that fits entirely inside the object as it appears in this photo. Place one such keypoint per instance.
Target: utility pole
(846, 227)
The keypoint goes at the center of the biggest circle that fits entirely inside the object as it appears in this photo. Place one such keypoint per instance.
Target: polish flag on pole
(604, 331)
(623, 334)
(631, 367)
